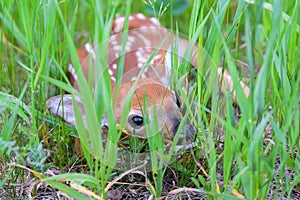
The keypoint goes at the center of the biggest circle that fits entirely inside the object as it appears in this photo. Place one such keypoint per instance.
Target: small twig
(199, 165)
(184, 189)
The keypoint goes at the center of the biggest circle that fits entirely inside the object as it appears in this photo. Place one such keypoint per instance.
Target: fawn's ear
(62, 106)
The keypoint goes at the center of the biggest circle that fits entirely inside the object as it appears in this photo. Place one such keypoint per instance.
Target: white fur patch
(157, 57)
(133, 78)
(71, 70)
(110, 72)
(113, 79)
(131, 39)
(114, 66)
(140, 16)
(117, 48)
(114, 42)
(119, 24)
(155, 21)
(88, 47)
(140, 65)
(128, 46)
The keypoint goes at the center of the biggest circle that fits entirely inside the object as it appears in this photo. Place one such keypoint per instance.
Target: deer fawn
(145, 36)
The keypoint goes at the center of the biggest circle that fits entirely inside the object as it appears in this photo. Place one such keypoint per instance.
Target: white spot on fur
(71, 70)
(114, 42)
(128, 45)
(127, 48)
(140, 16)
(155, 21)
(165, 81)
(140, 58)
(114, 66)
(157, 57)
(110, 72)
(119, 24)
(133, 78)
(88, 47)
(131, 38)
(140, 65)
(138, 53)
(117, 48)
(113, 37)
(113, 79)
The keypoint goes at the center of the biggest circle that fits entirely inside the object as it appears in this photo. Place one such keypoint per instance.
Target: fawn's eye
(136, 121)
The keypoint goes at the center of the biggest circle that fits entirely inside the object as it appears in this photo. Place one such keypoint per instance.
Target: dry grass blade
(186, 190)
(85, 191)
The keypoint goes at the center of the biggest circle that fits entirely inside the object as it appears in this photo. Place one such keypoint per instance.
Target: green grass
(248, 146)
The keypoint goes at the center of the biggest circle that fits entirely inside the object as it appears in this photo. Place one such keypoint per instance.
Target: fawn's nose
(186, 135)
